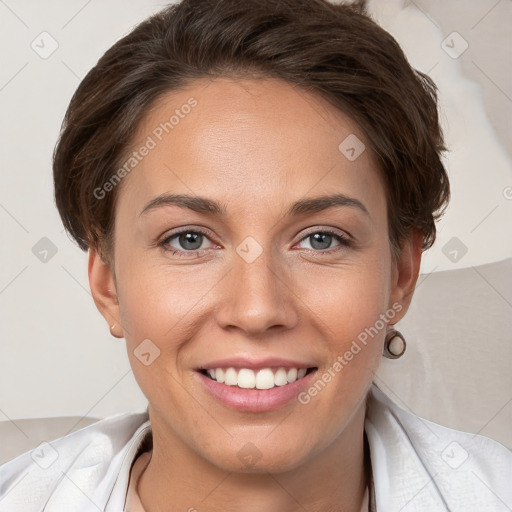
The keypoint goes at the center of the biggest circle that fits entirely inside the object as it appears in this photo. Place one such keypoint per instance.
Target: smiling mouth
(264, 378)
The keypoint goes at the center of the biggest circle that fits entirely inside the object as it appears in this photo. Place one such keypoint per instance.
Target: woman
(255, 181)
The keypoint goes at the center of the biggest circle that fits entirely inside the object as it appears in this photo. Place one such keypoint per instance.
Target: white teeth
(261, 379)
(291, 376)
(264, 379)
(246, 379)
(231, 377)
(280, 377)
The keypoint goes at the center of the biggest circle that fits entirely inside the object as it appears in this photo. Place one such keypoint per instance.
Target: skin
(256, 146)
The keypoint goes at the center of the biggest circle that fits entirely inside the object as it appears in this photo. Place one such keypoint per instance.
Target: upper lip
(254, 364)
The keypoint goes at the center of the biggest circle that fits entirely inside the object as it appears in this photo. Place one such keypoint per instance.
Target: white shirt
(417, 466)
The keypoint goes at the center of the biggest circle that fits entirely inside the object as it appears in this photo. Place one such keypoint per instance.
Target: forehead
(265, 139)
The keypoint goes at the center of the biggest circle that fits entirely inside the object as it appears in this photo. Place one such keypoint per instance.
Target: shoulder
(419, 465)
(81, 467)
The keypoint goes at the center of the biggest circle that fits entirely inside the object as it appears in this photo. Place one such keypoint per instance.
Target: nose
(257, 296)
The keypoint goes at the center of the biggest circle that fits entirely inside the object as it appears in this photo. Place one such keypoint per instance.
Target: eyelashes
(166, 241)
(343, 241)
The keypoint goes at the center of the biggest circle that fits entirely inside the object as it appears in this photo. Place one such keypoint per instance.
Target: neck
(332, 480)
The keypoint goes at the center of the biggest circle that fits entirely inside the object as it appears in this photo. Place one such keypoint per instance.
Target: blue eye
(190, 242)
(321, 240)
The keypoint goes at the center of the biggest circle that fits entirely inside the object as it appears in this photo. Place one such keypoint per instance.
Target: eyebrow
(209, 206)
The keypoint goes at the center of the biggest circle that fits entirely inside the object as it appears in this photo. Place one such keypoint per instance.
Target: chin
(260, 458)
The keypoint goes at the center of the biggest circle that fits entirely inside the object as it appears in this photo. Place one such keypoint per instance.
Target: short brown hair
(333, 50)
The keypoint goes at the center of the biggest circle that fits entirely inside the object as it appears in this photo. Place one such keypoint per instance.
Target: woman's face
(262, 279)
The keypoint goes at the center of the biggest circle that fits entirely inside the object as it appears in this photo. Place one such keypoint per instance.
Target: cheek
(348, 299)
(167, 305)
(352, 313)
(156, 308)
(156, 297)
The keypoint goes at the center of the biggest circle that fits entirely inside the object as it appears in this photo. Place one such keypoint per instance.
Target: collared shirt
(416, 466)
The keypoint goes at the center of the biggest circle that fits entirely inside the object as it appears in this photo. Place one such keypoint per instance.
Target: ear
(405, 273)
(104, 293)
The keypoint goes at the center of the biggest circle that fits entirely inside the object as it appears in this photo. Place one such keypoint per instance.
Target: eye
(189, 242)
(186, 241)
(321, 240)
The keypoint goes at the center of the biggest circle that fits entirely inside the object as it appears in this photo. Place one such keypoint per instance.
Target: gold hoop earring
(394, 344)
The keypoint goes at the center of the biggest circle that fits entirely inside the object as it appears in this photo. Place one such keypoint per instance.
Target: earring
(394, 345)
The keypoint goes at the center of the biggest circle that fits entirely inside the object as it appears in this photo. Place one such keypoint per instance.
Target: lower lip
(256, 400)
